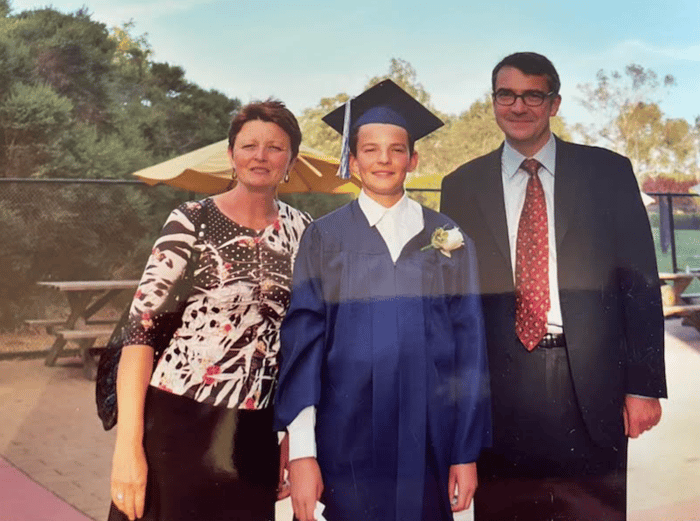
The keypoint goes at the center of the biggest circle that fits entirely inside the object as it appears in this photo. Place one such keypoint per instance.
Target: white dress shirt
(514, 188)
(397, 225)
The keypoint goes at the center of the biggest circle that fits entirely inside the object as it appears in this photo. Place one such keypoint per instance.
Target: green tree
(316, 133)
(175, 116)
(405, 76)
(629, 120)
(32, 118)
(72, 54)
(79, 101)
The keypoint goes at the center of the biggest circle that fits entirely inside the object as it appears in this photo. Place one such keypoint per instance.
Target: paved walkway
(55, 458)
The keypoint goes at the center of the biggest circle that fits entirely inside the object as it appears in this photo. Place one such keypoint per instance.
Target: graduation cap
(385, 102)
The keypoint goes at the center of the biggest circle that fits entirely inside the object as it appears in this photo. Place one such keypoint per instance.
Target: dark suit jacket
(607, 274)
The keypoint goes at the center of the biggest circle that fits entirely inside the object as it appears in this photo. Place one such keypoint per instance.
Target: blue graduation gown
(393, 357)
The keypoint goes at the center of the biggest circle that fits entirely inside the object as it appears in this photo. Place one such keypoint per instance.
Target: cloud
(115, 12)
(637, 51)
(688, 53)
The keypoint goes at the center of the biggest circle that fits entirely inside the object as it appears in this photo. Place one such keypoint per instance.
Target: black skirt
(207, 463)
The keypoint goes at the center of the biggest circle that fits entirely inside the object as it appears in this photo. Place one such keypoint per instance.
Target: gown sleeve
(302, 334)
(473, 415)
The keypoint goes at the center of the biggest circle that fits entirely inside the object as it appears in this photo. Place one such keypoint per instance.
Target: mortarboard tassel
(343, 168)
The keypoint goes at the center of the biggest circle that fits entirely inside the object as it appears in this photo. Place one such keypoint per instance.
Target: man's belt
(552, 340)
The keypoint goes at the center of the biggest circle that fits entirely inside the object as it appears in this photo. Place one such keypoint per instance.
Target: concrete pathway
(55, 457)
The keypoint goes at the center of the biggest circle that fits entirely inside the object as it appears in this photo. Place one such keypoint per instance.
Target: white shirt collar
(512, 159)
(397, 225)
(405, 209)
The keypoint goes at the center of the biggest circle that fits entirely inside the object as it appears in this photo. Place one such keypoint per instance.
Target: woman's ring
(120, 496)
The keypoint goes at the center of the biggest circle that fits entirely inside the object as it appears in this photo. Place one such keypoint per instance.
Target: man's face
(526, 128)
(382, 160)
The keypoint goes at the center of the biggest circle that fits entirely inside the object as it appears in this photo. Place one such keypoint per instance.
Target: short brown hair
(531, 64)
(271, 110)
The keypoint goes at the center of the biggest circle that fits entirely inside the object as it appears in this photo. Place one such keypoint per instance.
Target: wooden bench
(85, 334)
(676, 303)
(86, 338)
(681, 310)
(85, 299)
(48, 323)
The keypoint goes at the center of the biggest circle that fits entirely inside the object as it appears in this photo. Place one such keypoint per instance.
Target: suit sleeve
(302, 335)
(639, 287)
(448, 198)
(473, 415)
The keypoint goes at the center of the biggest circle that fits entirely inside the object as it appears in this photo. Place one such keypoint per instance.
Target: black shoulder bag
(165, 325)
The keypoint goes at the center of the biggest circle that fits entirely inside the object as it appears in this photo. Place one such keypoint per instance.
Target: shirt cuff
(302, 434)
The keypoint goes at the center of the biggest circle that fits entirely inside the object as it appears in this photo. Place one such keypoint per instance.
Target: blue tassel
(343, 168)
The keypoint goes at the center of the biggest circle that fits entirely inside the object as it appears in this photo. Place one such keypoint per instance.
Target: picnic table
(676, 303)
(85, 299)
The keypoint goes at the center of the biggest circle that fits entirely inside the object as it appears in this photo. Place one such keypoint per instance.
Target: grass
(687, 254)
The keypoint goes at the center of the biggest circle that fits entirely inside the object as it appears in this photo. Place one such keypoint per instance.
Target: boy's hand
(463, 479)
(306, 487)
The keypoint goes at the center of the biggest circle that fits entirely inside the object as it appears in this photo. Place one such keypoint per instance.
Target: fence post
(672, 228)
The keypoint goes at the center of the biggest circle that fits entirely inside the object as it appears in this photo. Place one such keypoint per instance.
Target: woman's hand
(129, 467)
(128, 483)
(283, 489)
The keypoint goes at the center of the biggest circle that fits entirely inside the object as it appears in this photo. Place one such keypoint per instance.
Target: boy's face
(382, 161)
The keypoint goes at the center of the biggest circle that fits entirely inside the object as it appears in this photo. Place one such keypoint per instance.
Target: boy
(383, 345)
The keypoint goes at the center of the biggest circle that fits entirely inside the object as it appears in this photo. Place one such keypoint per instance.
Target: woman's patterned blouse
(225, 352)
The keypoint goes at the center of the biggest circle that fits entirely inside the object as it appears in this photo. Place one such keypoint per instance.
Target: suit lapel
(567, 177)
(491, 203)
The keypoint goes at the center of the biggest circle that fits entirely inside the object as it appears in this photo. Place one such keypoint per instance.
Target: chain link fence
(675, 222)
(104, 229)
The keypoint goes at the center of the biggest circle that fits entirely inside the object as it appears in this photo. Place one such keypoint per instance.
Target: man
(572, 308)
(383, 341)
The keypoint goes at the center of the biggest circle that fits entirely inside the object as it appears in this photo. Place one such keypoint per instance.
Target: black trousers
(544, 466)
(207, 463)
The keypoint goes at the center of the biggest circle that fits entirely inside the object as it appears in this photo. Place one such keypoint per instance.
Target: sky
(302, 51)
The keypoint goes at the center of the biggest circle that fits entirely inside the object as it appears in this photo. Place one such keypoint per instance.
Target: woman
(194, 436)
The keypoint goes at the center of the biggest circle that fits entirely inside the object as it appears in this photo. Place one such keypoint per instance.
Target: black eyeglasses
(531, 98)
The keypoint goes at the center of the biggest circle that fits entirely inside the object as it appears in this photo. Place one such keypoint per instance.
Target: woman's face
(261, 154)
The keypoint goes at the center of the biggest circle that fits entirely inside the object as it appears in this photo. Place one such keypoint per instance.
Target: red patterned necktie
(532, 263)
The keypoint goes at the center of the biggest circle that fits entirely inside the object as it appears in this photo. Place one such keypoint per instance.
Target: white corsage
(445, 241)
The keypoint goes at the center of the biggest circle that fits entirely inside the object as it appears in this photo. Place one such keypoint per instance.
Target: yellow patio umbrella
(207, 171)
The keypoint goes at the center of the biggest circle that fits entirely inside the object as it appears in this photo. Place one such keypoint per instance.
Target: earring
(286, 177)
(233, 175)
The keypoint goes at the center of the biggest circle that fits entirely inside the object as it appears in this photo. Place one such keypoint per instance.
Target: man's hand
(306, 487)
(640, 414)
(463, 478)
